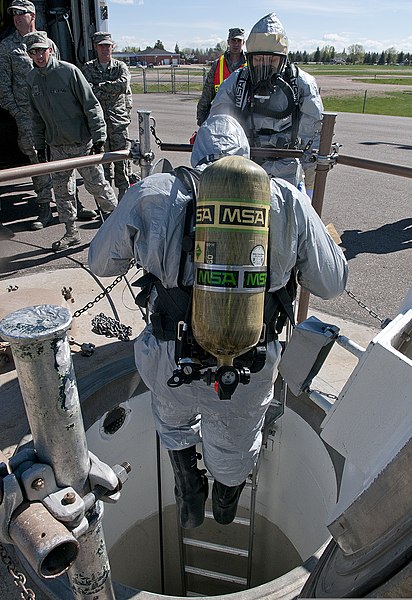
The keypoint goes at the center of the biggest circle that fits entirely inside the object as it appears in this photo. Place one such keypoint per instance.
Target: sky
(375, 24)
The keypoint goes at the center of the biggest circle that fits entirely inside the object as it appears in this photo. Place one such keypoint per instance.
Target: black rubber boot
(225, 500)
(84, 214)
(45, 216)
(191, 487)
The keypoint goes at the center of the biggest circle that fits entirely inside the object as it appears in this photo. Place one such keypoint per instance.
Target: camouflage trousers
(120, 170)
(42, 184)
(64, 183)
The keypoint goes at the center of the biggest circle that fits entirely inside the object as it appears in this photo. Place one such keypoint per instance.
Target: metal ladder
(203, 546)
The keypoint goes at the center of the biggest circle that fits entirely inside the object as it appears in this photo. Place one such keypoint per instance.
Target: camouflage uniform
(111, 86)
(64, 182)
(208, 93)
(57, 92)
(15, 64)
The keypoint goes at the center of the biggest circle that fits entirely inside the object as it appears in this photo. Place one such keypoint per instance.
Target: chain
(372, 313)
(19, 579)
(90, 304)
(109, 327)
(153, 132)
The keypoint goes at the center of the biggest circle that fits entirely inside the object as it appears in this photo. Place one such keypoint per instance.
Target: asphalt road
(371, 211)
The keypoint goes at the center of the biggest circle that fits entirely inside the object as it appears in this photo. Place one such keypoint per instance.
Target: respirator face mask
(264, 69)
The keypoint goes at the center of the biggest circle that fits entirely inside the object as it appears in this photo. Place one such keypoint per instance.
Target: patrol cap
(25, 5)
(236, 33)
(36, 39)
(102, 37)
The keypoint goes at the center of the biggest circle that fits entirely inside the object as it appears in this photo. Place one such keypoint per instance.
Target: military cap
(25, 5)
(37, 39)
(235, 33)
(102, 37)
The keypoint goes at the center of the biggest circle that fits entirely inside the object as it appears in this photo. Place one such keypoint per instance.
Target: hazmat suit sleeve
(298, 237)
(310, 124)
(147, 225)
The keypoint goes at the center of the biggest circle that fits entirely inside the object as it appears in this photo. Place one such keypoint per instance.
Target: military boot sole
(65, 243)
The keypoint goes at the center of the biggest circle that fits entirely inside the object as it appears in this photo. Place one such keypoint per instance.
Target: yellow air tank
(230, 255)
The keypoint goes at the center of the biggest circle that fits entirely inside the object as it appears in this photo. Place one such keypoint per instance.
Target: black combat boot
(225, 500)
(84, 214)
(191, 487)
(70, 238)
(45, 216)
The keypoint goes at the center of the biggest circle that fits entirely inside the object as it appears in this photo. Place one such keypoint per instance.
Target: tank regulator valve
(227, 380)
(187, 371)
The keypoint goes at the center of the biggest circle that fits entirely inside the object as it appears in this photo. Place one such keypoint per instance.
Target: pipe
(46, 543)
(41, 352)
(374, 165)
(322, 170)
(351, 346)
(254, 152)
(146, 154)
(62, 165)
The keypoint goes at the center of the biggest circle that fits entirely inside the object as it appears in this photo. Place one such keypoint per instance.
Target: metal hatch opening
(296, 489)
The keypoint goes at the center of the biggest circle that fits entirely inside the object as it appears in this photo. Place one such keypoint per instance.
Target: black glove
(41, 155)
(97, 148)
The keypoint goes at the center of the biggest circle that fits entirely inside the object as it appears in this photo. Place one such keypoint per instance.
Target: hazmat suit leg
(230, 429)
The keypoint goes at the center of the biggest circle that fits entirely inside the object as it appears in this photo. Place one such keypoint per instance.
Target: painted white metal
(372, 418)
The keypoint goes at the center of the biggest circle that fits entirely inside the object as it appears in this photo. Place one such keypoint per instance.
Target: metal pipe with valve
(50, 507)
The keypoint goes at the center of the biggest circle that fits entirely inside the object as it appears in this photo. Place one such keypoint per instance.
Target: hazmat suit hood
(267, 49)
(220, 135)
(267, 36)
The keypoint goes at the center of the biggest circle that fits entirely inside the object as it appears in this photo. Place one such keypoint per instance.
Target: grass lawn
(381, 103)
(358, 70)
(387, 80)
(396, 104)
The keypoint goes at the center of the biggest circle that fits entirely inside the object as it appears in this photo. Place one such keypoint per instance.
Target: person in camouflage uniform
(110, 81)
(15, 64)
(232, 59)
(69, 119)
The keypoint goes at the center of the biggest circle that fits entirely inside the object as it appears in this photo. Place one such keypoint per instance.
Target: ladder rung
(237, 520)
(215, 575)
(215, 547)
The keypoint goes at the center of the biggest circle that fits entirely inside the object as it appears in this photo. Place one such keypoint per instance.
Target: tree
(356, 53)
(391, 54)
(159, 45)
(177, 51)
(382, 59)
(131, 49)
(316, 56)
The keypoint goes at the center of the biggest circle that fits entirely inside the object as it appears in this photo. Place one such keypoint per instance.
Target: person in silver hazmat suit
(277, 103)
(148, 225)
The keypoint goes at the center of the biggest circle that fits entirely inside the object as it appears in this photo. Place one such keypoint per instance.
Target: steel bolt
(38, 484)
(126, 466)
(69, 498)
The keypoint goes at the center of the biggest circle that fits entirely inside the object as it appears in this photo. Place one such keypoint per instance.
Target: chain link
(97, 299)
(19, 579)
(103, 325)
(153, 132)
(372, 313)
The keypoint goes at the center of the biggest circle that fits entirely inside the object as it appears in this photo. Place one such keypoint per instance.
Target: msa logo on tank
(238, 279)
(232, 214)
